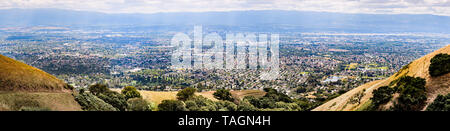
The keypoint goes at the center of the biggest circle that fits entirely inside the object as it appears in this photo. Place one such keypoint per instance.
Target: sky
(435, 7)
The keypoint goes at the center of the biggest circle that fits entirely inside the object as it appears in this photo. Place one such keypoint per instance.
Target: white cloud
(437, 7)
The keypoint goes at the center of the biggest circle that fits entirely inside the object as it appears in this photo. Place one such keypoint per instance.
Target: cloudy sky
(437, 7)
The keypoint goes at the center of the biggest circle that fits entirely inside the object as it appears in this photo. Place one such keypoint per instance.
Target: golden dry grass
(240, 94)
(51, 101)
(18, 76)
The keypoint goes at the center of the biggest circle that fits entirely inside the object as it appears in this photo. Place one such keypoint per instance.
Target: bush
(245, 105)
(412, 94)
(382, 95)
(226, 106)
(223, 94)
(192, 106)
(439, 65)
(287, 106)
(269, 100)
(98, 88)
(306, 105)
(276, 96)
(186, 93)
(90, 102)
(117, 100)
(172, 105)
(204, 104)
(131, 92)
(139, 104)
(441, 103)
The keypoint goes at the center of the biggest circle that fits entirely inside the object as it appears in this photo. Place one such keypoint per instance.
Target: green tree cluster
(441, 103)
(439, 65)
(223, 94)
(412, 94)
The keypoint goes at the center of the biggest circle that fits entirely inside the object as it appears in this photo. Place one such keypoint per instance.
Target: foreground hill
(23, 87)
(418, 68)
(18, 76)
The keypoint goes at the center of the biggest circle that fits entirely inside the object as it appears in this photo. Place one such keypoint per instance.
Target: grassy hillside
(23, 87)
(37, 101)
(18, 76)
(418, 68)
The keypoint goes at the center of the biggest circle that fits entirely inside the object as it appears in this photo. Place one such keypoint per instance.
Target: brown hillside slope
(417, 68)
(18, 76)
(23, 87)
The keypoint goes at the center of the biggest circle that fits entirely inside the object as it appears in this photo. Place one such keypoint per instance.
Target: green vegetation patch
(440, 65)
(441, 103)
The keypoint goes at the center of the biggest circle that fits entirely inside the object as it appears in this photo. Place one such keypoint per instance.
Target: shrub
(98, 88)
(172, 105)
(90, 102)
(226, 106)
(131, 92)
(439, 65)
(192, 106)
(276, 96)
(139, 104)
(382, 95)
(245, 105)
(186, 93)
(223, 94)
(287, 106)
(204, 104)
(305, 105)
(357, 97)
(117, 100)
(441, 103)
(412, 94)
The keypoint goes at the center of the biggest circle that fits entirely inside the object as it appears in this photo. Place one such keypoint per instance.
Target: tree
(139, 104)
(117, 100)
(412, 94)
(276, 96)
(226, 106)
(382, 95)
(441, 103)
(246, 106)
(98, 88)
(439, 65)
(223, 94)
(131, 92)
(357, 97)
(90, 102)
(172, 105)
(186, 93)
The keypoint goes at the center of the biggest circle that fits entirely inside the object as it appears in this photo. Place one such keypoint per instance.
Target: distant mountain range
(269, 19)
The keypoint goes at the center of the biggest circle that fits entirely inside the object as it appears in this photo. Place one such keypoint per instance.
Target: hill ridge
(18, 76)
(417, 68)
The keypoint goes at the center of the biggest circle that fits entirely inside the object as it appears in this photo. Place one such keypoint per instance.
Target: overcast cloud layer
(436, 7)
